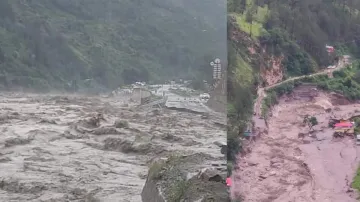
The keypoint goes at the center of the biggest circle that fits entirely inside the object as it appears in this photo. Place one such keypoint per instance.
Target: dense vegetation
(47, 44)
(346, 82)
(240, 99)
(297, 31)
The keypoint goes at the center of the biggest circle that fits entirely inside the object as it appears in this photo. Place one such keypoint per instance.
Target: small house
(344, 127)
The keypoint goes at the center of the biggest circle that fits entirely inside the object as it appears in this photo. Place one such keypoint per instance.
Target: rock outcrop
(151, 193)
(197, 177)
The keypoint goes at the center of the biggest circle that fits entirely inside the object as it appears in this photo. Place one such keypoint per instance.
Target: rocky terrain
(283, 167)
(76, 148)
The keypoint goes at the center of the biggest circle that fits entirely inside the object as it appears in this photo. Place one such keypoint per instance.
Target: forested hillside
(49, 43)
(272, 40)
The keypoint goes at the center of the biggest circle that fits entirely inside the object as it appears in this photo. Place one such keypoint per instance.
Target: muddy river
(283, 167)
(53, 148)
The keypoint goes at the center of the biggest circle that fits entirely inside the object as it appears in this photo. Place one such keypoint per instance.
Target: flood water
(50, 150)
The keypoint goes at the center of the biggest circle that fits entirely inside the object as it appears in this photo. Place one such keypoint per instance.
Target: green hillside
(297, 30)
(49, 43)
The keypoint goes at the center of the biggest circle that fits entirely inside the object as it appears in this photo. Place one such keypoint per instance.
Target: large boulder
(186, 178)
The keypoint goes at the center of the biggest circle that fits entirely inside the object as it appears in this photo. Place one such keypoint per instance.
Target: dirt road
(261, 91)
(50, 149)
(283, 168)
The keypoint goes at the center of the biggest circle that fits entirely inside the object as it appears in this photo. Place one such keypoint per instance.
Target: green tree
(310, 121)
(250, 16)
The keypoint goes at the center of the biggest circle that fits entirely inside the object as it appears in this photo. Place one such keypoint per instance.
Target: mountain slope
(299, 30)
(276, 40)
(50, 43)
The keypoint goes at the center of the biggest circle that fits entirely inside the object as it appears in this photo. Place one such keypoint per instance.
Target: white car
(204, 96)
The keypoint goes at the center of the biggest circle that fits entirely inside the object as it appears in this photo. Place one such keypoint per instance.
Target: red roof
(330, 48)
(228, 181)
(344, 124)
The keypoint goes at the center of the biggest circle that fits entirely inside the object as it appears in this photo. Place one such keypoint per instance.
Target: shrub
(155, 170)
(234, 146)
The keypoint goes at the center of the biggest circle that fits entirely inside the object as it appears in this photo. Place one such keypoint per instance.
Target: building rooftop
(344, 124)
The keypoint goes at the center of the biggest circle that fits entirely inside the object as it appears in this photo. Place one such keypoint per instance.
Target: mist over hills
(47, 44)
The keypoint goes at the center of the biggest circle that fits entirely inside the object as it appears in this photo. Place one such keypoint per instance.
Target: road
(261, 92)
